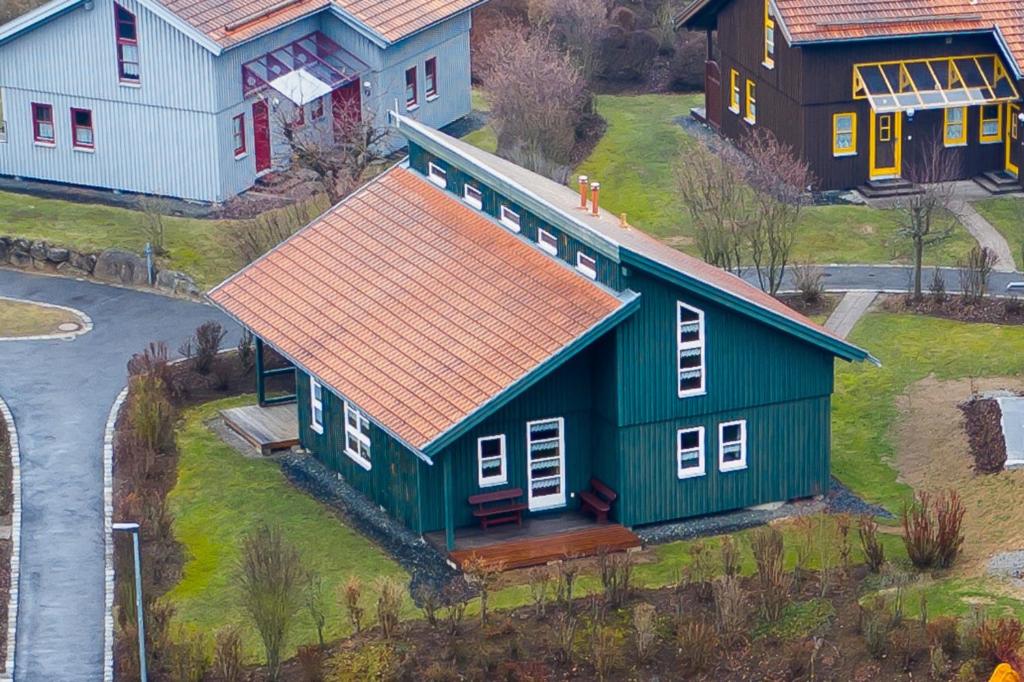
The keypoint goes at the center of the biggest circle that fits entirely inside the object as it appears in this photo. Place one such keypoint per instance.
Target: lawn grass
(1007, 215)
(24, 318)
(910, 347)
(221, 496)
(194, 245)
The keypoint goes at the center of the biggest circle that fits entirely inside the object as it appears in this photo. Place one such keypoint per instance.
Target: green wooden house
(462, 325)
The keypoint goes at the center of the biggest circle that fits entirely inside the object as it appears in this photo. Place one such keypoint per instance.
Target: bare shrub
(190, 656)
(352, 596)
(874, 552)
(942, 633)
(454, 610)
(246, 351)
(154, 360)
(975, 272)
(875, 625)
(773, 582)
(208, 338)
(645, 630)
(150, 413)
(539, 579)
(730, 607)
(565, 636)
(616, 571)
(315, 601)
(999, 640)
(252, 238)
(270, 581)
(604, 650)
(538, 98)
(483, 574)
(844, 522)
(701, 569)
(574, 24)
(697, 641)
(730, 552)
(227, 656)
(949, 516)
(389, 605)
(154, 210)
(311, 663)
(932, 529)
(565, 579)
(809, 281)
(429, 599)
(937, 288)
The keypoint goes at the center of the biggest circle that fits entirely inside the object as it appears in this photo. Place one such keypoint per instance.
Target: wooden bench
(598, 500)
(504, 507)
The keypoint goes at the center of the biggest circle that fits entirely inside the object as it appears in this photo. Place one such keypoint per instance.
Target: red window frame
(430, 76)
(75, 127)
(238, 132)
(37, 120)
(127, 40)
(411, 93)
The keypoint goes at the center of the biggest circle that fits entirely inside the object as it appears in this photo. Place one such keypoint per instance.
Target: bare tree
(249, 239)
(711, 185)
(270, 579)
(538, 98)
(154, 211)
(975, 271)
(925, 218)
(577, 24)
(780, 181)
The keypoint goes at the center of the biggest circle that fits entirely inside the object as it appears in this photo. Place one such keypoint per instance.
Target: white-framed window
(547, 241)
(316, 405)
(586, 264)
(437, 175)
(472, 196)
(357, 436)
(690, 452)
(491, 461)
(732, 445)
(509, 218)
(690, 350)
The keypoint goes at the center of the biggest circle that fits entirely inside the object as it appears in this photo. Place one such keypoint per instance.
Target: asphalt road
(60, 393)
(892, 278)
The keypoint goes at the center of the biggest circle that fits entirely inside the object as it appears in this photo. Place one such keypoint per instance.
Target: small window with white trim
(437, 175)
(587, 265)
(509, 218)
(316, 405)
(357, 436)
(690, 350)
(472, 196)
(732, 445)
(690, 452)
(490, 452)
(547, 241)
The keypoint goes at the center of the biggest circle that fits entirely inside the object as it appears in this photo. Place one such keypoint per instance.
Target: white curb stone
(12, 606)
(108, 534)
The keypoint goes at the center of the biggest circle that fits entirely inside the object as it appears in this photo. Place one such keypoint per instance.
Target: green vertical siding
(393, 479)
(607, 269)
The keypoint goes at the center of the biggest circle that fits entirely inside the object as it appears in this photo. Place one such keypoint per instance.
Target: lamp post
(133, 528)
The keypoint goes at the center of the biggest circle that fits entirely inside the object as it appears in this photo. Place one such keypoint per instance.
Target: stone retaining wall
(116, 266)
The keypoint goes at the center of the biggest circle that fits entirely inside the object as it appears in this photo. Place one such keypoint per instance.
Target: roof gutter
(631, 303)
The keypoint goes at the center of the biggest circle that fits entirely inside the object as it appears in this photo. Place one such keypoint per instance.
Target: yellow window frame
(750, 113)
(769, 25)
(850, 150)
(961, 139)
(734, 91)
(998, 119)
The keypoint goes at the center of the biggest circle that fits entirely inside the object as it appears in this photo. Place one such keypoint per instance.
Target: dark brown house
(862, 88)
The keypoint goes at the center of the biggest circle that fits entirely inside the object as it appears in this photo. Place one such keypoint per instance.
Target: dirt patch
(933, 453)
(822, 305)
(983, 422)
(991, 310)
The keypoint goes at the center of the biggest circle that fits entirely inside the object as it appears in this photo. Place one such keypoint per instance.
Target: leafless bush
(246, 351)
(150, 413)
(604, 650)
(730, 607)
(190, 656)
(311, 661)
(773, 582)
(938, 286)
(874, 551)
(975, 272)
(645, 630)
(315, 598)
(227, 656)
(932, 530)
(429, 599)
(539, 579)
(207, 340)
(538, 99)
(701, 569)
(574, 23)
(270, 578)
(565, 579)
(483, 574)
(454, 610)
(252, 238)
(352, 597)
(565, 636)
(616, 571)
(810, 282)
(730, 557)
(698, 645)
(389, 605)
(154, 211)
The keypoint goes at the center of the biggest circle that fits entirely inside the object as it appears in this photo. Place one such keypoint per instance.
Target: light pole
(133, 528)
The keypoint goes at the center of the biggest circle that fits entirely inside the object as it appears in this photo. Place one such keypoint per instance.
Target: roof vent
(583, 192)
(595, 191)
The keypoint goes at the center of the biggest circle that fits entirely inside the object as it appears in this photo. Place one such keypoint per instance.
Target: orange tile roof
(413, 306)
(390, 19)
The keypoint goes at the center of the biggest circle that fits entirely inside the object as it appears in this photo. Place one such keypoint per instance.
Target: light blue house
(186, 98)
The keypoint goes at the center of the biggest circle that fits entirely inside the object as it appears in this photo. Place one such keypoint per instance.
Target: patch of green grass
(955, 597)
(1007, 215)
(193, 244)
(799, 620)
(910, 347)
(220, 497)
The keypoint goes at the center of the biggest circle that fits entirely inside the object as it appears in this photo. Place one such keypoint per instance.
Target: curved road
(60, 393)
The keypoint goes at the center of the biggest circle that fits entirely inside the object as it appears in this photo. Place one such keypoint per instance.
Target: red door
(346, 106)
(261, 135)
(713, 94)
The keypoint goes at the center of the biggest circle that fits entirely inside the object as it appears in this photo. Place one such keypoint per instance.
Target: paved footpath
(850, 309)
(60, 393)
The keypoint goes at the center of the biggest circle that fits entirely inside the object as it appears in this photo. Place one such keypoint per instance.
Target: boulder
(38, 250)
(57, 254)
(20, 259)
(83, 261)
(176, 283)
(5, 248)
(121, 267)
(67, 269)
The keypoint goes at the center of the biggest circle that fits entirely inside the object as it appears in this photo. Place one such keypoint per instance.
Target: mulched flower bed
(983, 423)
(822, 305)
(991, 310)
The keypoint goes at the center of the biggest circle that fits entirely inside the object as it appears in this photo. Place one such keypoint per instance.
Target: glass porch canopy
(319, 58)
(938, 83)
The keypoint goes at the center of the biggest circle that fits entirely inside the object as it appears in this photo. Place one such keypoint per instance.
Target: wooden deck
(265, 428)
(541, 540)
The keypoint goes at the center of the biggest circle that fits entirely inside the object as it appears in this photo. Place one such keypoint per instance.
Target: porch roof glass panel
(316, 55)
(938, 83)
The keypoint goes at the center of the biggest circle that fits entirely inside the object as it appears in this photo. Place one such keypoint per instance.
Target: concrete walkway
(985, 233)
(853, 306)
(60, 393)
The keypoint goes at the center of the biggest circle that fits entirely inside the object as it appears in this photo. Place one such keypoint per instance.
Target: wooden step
(537, 551)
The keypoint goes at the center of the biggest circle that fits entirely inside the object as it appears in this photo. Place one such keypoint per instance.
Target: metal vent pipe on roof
(583, 192)
(595, 191)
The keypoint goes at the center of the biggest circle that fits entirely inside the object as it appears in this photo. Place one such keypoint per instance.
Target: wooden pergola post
(449, 511)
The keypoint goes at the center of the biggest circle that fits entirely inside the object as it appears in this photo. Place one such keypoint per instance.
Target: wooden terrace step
(265, 428)
(537, 551)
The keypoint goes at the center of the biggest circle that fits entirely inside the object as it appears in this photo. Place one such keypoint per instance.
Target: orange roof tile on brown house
(466, 332)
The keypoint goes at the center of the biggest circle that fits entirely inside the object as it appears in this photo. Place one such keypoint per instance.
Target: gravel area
(1009, 565)
(427, 566)
(840, 500)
